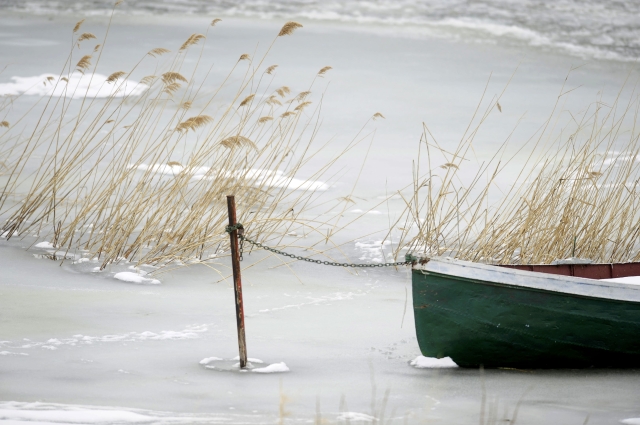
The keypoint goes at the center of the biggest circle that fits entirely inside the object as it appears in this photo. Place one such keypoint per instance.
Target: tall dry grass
(144, 177)
(574, 193)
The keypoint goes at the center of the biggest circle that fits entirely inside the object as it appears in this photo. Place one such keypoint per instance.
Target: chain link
(410, 259)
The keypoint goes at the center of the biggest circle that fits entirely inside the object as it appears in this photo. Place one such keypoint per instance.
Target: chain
(409, 259)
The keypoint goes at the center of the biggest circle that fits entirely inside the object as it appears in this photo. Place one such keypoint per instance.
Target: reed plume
(193, 123)
(283, 91)
(247, 100)
(85, 36)
(272, 100)
(115, 76)
(289, 28)
(270, 69)
(78, 25)
(302, 106)
(148, 79)
(84, 63)
(301, 96)
(233, 142)
(158, 51)
(172, 76)
(171, 88)
(193, 39)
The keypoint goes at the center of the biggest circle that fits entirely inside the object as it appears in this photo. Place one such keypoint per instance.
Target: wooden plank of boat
(494, 316)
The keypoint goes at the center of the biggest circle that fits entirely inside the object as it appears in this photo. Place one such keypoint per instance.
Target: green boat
(527, 316)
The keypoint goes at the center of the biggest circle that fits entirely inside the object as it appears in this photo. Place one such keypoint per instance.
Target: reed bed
(575, 194)
(142, 175)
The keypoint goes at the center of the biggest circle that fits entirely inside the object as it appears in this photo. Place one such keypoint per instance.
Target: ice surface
(422, 362)
(631, 421)
(272, 368)
(632, 280)
(347, 337)
(135, 278)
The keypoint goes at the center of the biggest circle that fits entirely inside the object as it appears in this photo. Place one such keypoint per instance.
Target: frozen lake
(86, 348)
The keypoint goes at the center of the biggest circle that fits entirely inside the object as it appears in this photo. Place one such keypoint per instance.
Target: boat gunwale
(523, 279)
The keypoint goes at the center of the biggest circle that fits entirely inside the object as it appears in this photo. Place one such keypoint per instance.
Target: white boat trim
(543, 281)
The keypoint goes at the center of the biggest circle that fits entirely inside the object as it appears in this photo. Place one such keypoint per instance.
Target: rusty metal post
(237, 281)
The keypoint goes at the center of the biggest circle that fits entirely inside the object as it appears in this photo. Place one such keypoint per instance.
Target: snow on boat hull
(497, 317)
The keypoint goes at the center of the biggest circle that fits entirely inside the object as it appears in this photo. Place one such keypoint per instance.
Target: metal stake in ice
(237, 281)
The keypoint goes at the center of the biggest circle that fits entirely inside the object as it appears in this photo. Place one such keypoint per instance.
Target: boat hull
(479, 322)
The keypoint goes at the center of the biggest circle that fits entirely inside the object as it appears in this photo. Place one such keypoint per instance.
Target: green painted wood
(484, 323)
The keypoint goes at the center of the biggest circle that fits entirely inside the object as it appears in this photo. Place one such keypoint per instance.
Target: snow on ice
(422, 362)
(355, 416)
(256, 176)
(78, 86)
(191, 332)
(38, 413)
(208, 360)
(135, 278)
(273, 368)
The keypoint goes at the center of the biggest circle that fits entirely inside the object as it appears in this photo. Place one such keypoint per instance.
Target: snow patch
(135, 278)
(72, 417)
(255, 176)
(422, 362)
(631, 280)
(273, 368)
(191, 332)
(355, 416)
(78, 86)
(208, 360)
(372, 251)
(44, 245)
(38, 413)
(631, 421)
(572, 260)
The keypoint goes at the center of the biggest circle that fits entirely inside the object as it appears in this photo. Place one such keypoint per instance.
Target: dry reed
(576, 194)
(114, 179)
